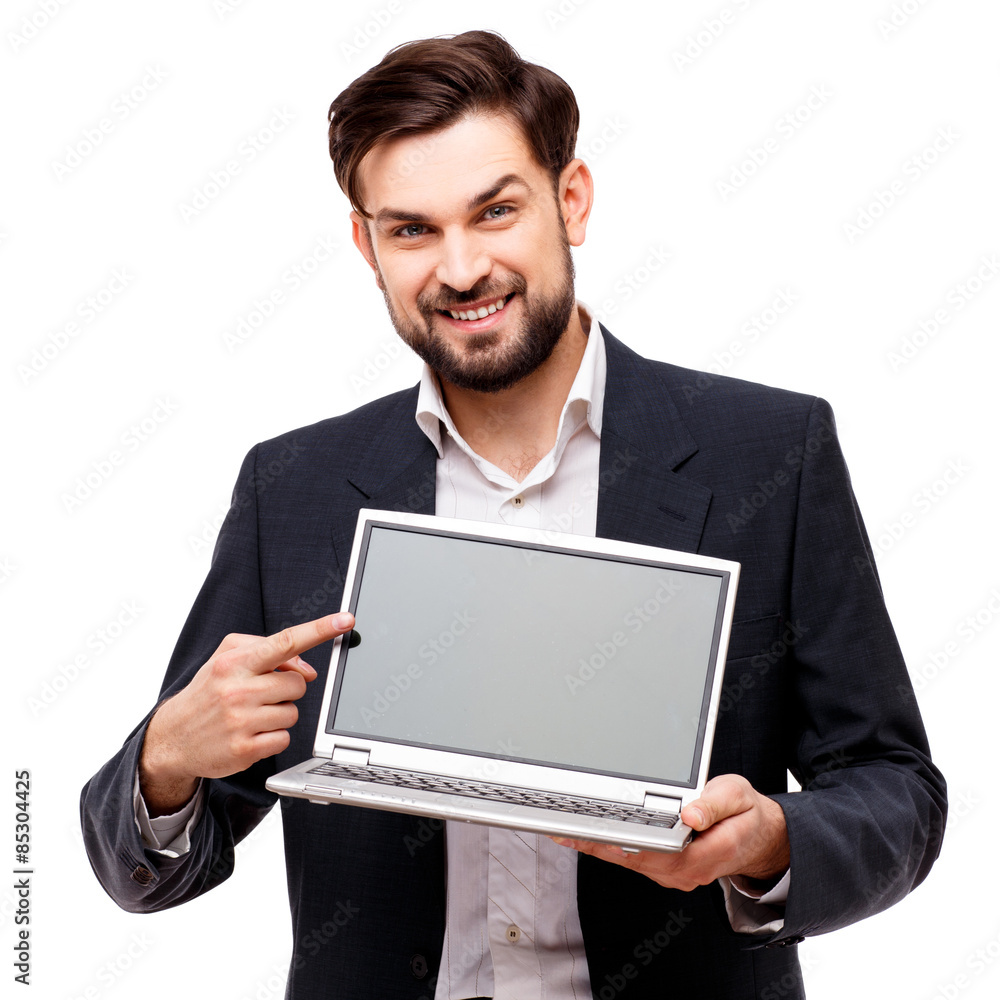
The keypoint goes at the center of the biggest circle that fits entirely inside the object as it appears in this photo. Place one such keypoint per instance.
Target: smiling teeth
(481, 313)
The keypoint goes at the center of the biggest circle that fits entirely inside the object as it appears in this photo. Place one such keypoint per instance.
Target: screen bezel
(567, 544)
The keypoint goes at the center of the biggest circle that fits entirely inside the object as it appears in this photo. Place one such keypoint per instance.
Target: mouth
(477, 311)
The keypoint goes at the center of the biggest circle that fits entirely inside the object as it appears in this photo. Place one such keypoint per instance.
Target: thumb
(725, 795)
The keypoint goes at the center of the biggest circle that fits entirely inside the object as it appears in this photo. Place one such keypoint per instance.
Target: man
(457, 157)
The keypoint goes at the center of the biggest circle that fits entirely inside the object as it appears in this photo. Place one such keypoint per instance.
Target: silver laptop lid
(538, 648)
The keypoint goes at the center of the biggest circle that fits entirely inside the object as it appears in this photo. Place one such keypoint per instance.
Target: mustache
(489, 288)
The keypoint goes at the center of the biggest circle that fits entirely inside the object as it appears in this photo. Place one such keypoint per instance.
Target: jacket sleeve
(868, 823)
(138, 878)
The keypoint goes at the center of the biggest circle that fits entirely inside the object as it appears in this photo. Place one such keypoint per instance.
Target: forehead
(434, 173)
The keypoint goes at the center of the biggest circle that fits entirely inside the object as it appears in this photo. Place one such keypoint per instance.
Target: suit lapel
(396, 471)
(643, 440)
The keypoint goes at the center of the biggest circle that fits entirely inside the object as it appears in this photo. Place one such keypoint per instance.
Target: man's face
(469, 246)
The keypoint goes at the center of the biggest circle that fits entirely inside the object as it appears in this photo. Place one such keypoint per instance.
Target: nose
(463, 261)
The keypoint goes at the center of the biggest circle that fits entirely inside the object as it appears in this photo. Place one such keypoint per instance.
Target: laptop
(523, 678)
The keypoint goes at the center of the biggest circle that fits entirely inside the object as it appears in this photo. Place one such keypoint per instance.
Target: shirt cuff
(169, 834)
(751, 914)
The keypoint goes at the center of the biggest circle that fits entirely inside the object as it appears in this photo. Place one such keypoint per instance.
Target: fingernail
(342, 620)
(699, 814)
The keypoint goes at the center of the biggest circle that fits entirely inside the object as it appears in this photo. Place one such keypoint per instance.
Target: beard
(485, 363)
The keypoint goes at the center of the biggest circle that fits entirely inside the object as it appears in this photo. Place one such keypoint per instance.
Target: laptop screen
(542, 654)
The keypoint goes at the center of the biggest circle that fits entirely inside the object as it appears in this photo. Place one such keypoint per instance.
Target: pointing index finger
(273, 650)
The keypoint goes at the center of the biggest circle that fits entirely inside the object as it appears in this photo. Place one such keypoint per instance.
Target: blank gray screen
(562, 658)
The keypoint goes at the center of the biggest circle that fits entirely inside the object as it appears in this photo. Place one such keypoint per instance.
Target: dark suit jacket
(814, 684)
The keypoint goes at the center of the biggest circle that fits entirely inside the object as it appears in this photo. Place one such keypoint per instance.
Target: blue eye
(497, 211)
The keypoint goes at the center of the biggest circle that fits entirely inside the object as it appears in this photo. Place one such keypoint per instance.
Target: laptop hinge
(662, 803)
(350, 755)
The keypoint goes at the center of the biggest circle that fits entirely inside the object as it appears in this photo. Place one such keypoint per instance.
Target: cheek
(405, 282)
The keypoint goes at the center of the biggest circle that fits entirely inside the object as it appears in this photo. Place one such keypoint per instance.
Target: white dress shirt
(512, 927)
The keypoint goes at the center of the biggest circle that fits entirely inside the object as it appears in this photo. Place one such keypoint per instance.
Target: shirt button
(518, 501)
(513, 934)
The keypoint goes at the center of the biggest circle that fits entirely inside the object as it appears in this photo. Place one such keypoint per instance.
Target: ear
(363, 241)
(576, 198)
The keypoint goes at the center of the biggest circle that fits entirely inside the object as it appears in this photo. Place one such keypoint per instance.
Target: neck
(517, 427)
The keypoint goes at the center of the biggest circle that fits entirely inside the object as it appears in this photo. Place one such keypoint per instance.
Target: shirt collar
(584, 402)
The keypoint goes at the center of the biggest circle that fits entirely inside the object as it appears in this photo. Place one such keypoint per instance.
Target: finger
(609, 851)
(270, 652)
(653, 863)
(271, 718)
(725, 795)
(234, 640)
(269, 744)
(277, 686)
(299, 666)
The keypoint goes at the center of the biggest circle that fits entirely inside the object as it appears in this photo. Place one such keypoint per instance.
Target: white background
(659, 136)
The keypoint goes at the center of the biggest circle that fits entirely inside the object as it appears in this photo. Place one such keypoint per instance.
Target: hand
(740, 833)
(236, 710)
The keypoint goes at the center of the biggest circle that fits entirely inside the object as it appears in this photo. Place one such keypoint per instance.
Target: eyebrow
(399, 215)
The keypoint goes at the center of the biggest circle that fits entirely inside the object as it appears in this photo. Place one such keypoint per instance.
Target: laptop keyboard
(500, 793)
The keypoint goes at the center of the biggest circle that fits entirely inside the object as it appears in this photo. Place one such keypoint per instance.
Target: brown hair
(428, 85)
